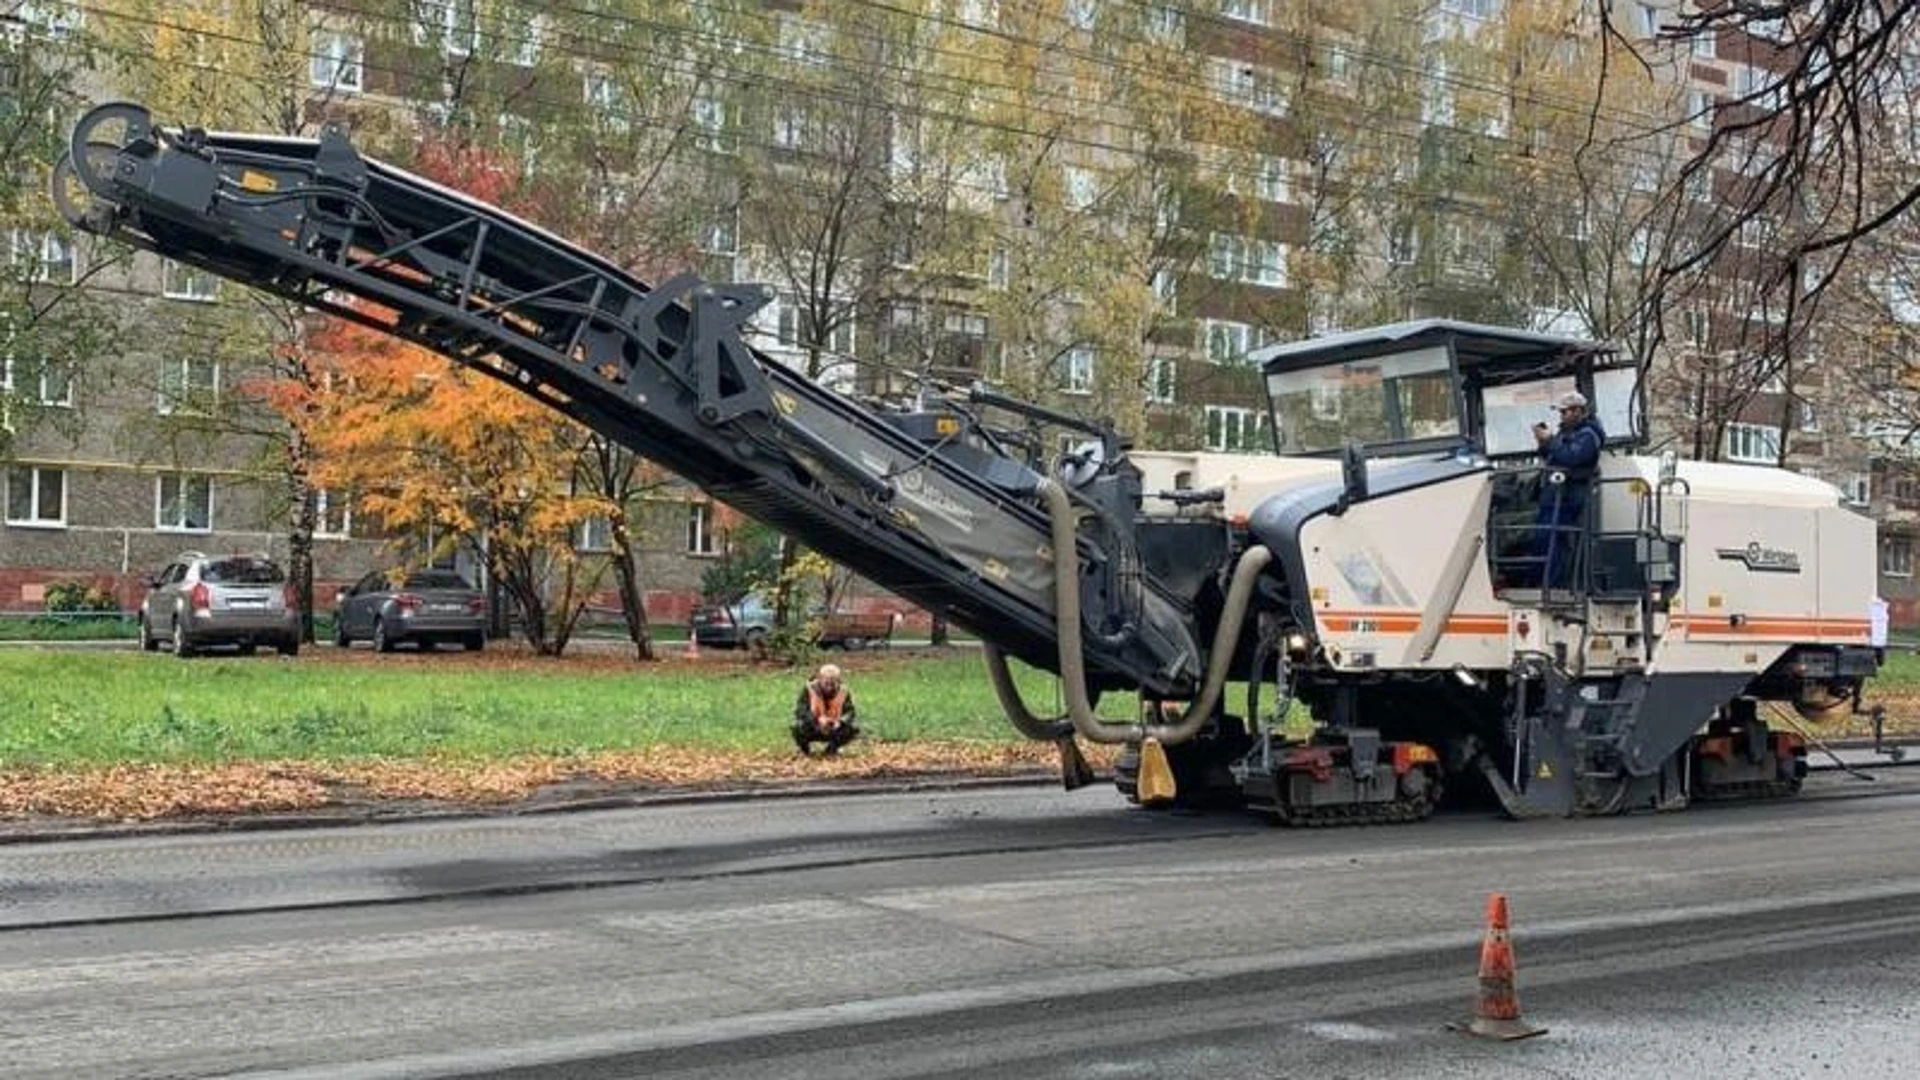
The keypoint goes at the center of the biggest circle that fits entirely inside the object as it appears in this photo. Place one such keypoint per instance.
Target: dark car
(426, 607)
(200, 601)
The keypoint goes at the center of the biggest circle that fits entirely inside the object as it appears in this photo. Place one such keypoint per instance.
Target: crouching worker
(824, 713)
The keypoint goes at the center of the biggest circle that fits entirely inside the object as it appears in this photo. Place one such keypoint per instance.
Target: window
(721, 236)
(1703, 45)
(36, 497)
(1081, 13)
(57, 19)
(962, 344)
(183, 502)
(1166, 288)
(977, 12)
(44, 382)
(1232, 429)
(709, 116)
(1472, 9)
(1699, 327)
(332, 514)
(1699, 109)
(804, 41)
(1403, 245)
(1637, 247)
(998, 270)
(41, 256)
(448, 24)
(1252, 11)
(701, 539)
(1161, 381)
(1436, 99)
(792, 329)
(527, 43)
(607, 100)
(1809, 418)
(1076, 370)
(187, 384)
(596, 534)
(1268, 266)
(1339, 66)
(1858, 489)
(337, 61)
(1240, 258)
(1896, 556)
(1646, 20)
(1225, 342)
(1270, 179)
(1755, 444)
(1081, 187)
(178, 281)
(1163, 23)
(789, 126)
(1239, 83)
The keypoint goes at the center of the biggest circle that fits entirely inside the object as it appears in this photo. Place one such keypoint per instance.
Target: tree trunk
(300, 536)
(783, 583)
(626, 572)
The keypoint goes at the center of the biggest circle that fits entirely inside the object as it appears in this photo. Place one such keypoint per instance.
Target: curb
(25, 833)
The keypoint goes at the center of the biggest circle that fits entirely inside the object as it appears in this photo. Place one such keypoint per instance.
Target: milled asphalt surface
(1004, 933)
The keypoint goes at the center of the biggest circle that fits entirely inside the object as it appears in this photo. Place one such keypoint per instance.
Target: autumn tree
(456, 461)
(51, 325)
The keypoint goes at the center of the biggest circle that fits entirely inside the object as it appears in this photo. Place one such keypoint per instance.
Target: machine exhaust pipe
(1073, 666)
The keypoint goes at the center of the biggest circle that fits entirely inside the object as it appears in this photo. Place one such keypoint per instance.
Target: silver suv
(202, 600)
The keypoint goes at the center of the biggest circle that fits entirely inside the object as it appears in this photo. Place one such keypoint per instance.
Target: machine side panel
(1362, 579)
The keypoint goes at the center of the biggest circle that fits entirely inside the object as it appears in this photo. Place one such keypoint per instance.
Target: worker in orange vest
(824, 713)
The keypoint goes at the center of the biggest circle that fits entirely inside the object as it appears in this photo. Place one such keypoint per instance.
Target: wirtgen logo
(1763, 559)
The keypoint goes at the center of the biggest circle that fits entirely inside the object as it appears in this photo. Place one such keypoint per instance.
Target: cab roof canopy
(1474, 345)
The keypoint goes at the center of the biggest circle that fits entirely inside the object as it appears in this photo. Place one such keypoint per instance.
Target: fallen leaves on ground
(148, 792)
(145, 792)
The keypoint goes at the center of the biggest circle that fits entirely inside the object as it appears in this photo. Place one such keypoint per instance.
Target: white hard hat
(1572, 399)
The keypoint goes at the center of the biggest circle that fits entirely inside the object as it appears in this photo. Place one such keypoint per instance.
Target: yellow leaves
(148, 792)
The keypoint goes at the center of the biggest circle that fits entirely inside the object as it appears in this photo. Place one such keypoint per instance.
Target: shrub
(66, 597)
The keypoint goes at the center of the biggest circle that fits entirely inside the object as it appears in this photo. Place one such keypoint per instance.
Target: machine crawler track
(1397, 812)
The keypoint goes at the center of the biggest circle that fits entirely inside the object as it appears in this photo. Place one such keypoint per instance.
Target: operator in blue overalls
(1574, 452)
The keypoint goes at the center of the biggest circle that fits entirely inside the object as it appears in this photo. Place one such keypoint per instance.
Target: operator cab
(1437, 389)
(1439, 386)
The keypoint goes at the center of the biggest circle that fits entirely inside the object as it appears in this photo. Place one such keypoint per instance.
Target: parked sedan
(427, 607)
(743, 624)
(200, 601)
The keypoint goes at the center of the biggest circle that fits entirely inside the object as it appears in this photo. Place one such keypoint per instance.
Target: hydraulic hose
(1073, 665)
(1023, 721)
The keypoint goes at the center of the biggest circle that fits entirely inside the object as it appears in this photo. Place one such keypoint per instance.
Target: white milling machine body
(1403, 517)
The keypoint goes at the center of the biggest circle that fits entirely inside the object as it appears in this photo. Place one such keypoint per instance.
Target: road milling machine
(1386, 570)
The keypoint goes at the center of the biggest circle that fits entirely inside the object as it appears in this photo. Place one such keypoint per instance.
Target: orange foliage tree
(448, 458)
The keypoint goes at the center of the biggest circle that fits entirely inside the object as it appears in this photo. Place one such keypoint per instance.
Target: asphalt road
(998, 933)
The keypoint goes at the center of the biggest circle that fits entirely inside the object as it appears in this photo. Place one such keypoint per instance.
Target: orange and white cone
(1497, 1013)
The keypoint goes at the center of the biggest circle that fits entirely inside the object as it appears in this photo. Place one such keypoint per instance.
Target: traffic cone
(1497, 1014)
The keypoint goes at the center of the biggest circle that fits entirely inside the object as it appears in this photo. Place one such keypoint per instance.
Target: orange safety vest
(826, 710)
